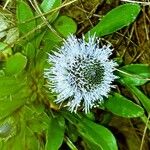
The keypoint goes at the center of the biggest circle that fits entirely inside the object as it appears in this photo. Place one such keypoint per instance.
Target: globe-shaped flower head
(81, 72)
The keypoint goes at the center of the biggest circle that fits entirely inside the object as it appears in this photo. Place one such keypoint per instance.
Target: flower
(81, 72)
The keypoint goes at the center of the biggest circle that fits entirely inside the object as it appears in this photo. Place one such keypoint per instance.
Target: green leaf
(142, 97)
(48, 5)
(50, 41)
(134, 74)
(97, 136)
(38, 122)
(15, 64)
(12, 102)
(24, 138)
(65, 25)
(55, 133)
(9, 86)
(123, 107)
(30, 52)
(24, 13)
(39, 38)
(116, 19)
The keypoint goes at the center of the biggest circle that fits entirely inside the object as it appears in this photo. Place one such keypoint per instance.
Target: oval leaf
(23, 140)
(12, 102)
(116, 19)
(55, 133)
(65, 25)
(9, 86)
(24, 13)
(48, 5)
(97, 134)
(121, 106)
(134, 74)
(15, 64)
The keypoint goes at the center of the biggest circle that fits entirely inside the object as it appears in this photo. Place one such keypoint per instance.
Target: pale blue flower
(81, 73)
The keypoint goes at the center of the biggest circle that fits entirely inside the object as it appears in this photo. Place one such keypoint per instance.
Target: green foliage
(65, 25)
(24, 137)
(97, 136)
(12, 103)
(102, 139)
(47, 5)
(55, 133)
(13, 95)
(134, 74)
(123, 107)
(24, 14)
(142, 97)
(30, 52)
(28, 117)
(9, 85)
(15, 64)
(50, 5)
(116, 19)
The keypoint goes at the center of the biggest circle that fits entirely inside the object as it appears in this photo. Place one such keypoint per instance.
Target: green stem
(70, 144)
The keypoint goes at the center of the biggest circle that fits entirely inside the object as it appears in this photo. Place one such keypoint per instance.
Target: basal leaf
(134, 74)
(38, 122)
(55, 133)
(48, 5)
(30, 52)
(97, 134)
(24, 138)
(121, 106)
(94, 134)
(141, 96)
(10, 86)
(24, 13)
(65, 25)
(11, 103)
(15, 64)
(116, 19)
(31, 140)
